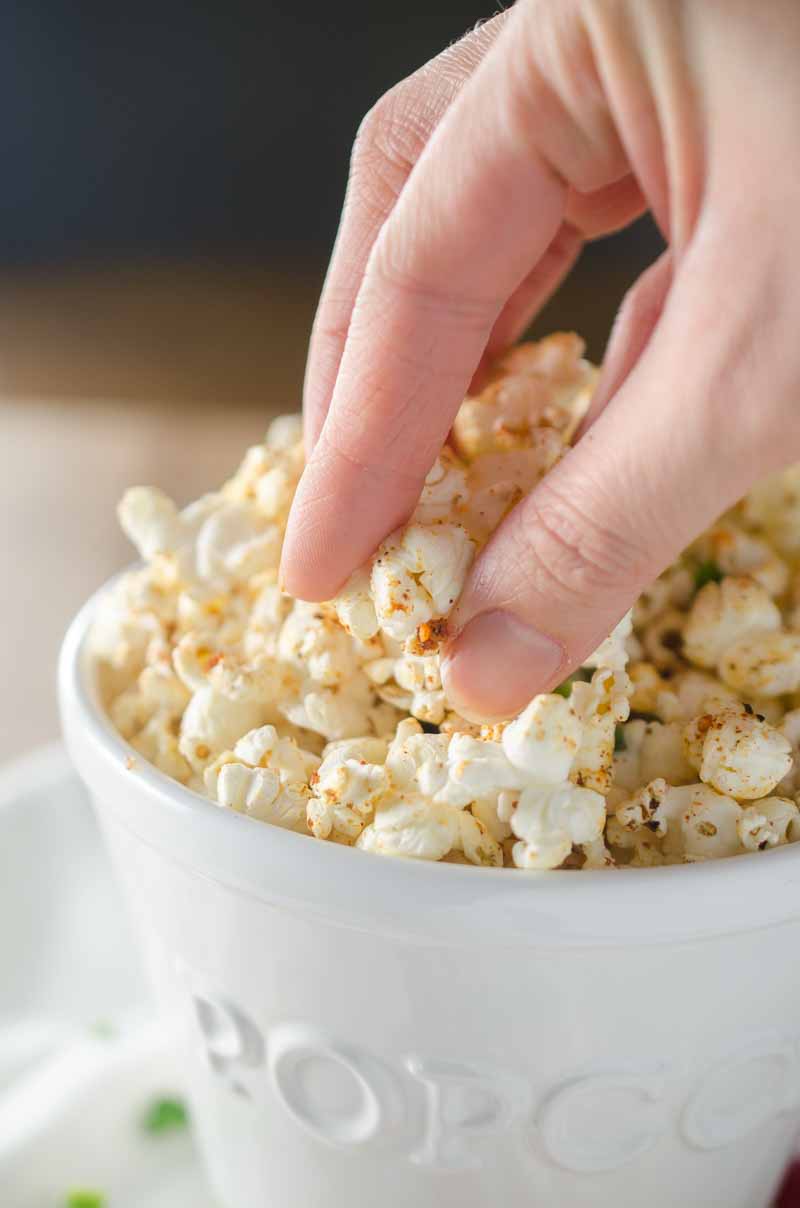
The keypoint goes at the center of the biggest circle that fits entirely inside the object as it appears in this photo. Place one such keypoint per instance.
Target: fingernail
(497, 664)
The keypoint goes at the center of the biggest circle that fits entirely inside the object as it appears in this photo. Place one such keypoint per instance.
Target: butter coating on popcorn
(677, 741)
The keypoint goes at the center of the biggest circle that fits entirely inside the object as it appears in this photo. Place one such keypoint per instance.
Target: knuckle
(556, 78)
(564, 549)
(370, 129)
(388, 143)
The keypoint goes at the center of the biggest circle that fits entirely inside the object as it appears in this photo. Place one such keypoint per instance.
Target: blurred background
(171, 184)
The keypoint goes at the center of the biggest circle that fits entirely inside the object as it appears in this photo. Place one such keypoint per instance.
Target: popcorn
(249, 790)
(544, 739)
(488, 813)
(409, 825)
(767, 824)
(773, 507)
(677, 741)
(418, 575)
(150, 519)
(482, 768)
(722, 613)
(649, 750)
(549, 818)
(740, 553)
(137, 611)
(596, 855)
(708, 826)
(331, 713)
(662, 640)
(673, 588)
(212, 722)
(418, 762)
(497, 481)
(349, 783)
(540, 385)
(236, 542)
(763, 664)
(650, 693)
(691, 692)
(285, 435)
(444, 491)
(664, 824)
(789, 727)
(266, 748)
(269, 473)
(214, 540)
(737, 752)
(354, 607)
(644, 808)
(264, 776)
(613, 653)
(158, 692)
(313, 642)
(157, 742)
(421, 678)
(600, 705)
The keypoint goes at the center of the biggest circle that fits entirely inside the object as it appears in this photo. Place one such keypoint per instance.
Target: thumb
(572, 557)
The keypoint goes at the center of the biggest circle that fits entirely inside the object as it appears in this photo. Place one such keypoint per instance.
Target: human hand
(473, 184)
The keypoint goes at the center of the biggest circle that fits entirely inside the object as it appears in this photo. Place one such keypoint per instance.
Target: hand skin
(473, 185)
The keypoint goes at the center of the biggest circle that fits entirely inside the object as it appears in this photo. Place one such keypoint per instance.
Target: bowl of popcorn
(414, 960)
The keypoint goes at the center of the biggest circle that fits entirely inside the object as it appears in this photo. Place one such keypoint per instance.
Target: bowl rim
(670, 887)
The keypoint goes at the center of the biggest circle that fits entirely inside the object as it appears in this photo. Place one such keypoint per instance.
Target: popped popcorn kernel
(409, 825)
(773, 507)
(724, 612)
(544, 739)
(739, 553)
(346, 788)
(763, 664)
(678, 740)
(548, 819)
(418, 575)
(542, 385)
(354, 607)
(150, 519)
(737, 752)
(709, 826)
(767, 824)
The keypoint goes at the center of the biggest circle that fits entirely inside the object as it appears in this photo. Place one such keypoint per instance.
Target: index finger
(389, 142)
(481, 206)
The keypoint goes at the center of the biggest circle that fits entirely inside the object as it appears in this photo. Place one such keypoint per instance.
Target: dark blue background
(192, 125)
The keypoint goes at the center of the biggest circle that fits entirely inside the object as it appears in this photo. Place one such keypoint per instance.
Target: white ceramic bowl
(362, 1032)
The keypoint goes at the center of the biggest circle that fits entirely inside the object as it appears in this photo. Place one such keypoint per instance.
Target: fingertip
(304, 577)
(311, 566)
(497, 664)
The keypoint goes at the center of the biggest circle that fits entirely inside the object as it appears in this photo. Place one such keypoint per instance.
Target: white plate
(82, 1054)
